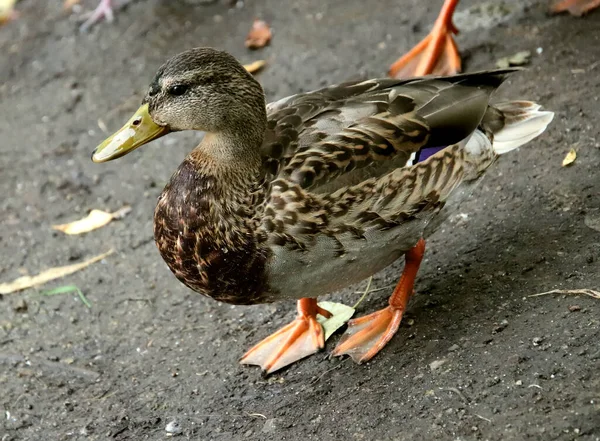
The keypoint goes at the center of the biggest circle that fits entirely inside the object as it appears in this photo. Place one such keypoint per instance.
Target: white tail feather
(523, 122)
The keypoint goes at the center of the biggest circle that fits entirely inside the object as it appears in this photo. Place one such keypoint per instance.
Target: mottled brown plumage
(319, 190)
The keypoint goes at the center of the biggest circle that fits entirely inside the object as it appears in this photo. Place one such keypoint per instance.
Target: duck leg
(105, 9)
(301, 338)
(435, 54)
(575, 7)
(367, 335)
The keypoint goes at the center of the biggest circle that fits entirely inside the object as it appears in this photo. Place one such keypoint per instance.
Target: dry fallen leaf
(519, 59)
(255, 66)
(259, 36)
(50, 274)
(340, 315)
(7, 11)
(94, 220)
(570, 158)
(68, 4)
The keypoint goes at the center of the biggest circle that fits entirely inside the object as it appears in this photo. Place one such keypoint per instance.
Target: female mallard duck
(316, 191)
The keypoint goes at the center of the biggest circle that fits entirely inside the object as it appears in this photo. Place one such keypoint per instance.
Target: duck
(317, 191)
(437, 53)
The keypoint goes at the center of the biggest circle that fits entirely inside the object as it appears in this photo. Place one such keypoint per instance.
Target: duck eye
(178, 89)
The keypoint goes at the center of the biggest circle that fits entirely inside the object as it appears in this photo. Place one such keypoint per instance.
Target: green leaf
(66, 290)
(340, 315)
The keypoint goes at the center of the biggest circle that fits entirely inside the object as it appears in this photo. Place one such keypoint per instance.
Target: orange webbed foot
(574, 7)
(435, 54)
(299, 339)
(367, 335)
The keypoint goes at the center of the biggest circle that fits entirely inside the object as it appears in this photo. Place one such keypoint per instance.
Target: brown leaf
(68, 4)
(7, 11)
(50, 274)
(255, 66)
(259, 36)
(94, 220)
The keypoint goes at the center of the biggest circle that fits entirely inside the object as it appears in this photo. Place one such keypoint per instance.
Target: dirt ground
(477, 358)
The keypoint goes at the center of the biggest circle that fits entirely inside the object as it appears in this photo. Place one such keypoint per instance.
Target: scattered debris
(586, 292)
(501, 327)
(173, 428)
(94, 220)
(271, 425)
(340, 315)
(257, 415)
(259, 36)
(482, 418)
(50, 274)
(519, 59)
(570, 158)
(7, 11)
(21, 307)
(255, 67)
(456, 391)
(66, 290)
(436, 364)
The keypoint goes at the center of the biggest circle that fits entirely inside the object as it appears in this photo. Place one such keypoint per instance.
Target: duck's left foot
(103, 10)
(301, 338)
(366, 336)
(574, 7)
(435, 54)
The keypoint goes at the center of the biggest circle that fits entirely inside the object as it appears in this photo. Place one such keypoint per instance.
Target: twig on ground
(586, 292)
(317, 379)
(364, 294)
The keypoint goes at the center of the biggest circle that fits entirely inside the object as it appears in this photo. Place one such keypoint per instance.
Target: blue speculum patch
(426, 152)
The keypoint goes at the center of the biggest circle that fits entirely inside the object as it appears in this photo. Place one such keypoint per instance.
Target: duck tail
(515, 123)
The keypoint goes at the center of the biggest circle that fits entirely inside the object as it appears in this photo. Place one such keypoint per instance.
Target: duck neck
(204, 222)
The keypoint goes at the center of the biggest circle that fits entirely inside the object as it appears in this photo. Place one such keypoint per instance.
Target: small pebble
(270, 425)
(21, 306)
(492, 381)
(574, 308)
(173, 428)
(501, 327)
(437, 364)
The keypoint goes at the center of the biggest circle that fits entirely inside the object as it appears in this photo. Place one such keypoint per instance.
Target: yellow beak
(139, 130)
